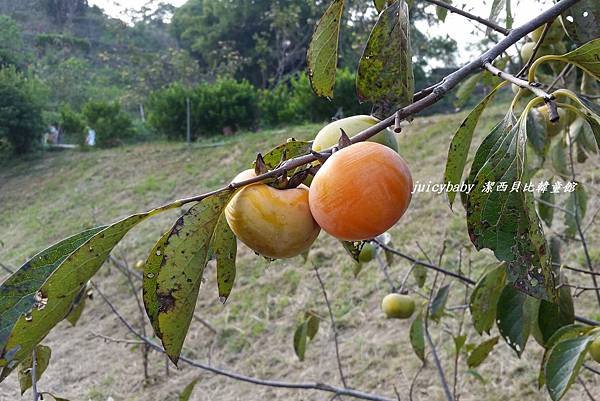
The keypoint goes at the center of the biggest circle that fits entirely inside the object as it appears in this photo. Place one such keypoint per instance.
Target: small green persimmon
(555, 34)
(329, 135)
(553, 128)
(367, 253)
(527, 51)
(398, 306)
(595, 350)
(275, 223)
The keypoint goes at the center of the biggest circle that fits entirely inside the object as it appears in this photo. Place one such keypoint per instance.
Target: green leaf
(17, 293)
(78, 306)
(174, 271)
(224, 247)
(292, 148)
(537, 132)
(545, 210)
(459, 342)
(484, 299)
(300, 336)
(419, 273)
(45, 393)
(481, 352)
(442, 12)
(353, 248)
(509, 16)
(576, 203)
(323, 50)
(461, 143)
(586, 56)
(552, 317)
(312, 325)
(514, 316)
(62, 287)
(562, 334)
(563, 365)
(582, 21)
(559, 155)
(379, 5)
(42, 358)
(439, 303)
(187, 391)
(385, 73)
(466, 89)
(417, 337)
(476, 375)
(506, 221)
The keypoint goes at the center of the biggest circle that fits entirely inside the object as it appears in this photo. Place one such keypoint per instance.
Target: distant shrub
(295, 101)
(21, 100)
(113, 126)
(45, 40)
(225, 103)
(72, 124)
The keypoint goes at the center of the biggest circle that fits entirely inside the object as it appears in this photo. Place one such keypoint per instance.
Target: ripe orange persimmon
(276, 223)
(361, 191)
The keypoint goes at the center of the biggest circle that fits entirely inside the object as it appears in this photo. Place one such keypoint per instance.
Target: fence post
(188, 123)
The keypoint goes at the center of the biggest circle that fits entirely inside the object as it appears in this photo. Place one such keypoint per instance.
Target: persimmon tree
(553, 120)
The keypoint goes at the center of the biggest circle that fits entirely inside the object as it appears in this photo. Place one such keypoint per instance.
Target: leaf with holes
(438, 305)
(385, 73)
(576, 204)
(17, 293)
(187, 391)
(484, 299)
(481, 352)
(461, 143)
(514, 316)
(175, 268)
(42, 360)
(417, 337)
(506, 221)
(224, 248)
(323, 50)
(582, 21)
(285, 151)
(59, 291)
(563, 364)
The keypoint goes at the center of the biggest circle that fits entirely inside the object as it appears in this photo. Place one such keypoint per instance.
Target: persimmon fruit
(367, 253)
(329, 135)
(398, 306)
(554, 35)
(275, 223)
(360, 191)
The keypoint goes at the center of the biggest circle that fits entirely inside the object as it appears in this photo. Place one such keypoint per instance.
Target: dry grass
(46, 199)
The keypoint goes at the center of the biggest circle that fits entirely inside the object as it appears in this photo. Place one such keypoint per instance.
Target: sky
(460, 29)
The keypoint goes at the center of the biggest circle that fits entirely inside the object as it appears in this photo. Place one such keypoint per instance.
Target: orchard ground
(45, 199)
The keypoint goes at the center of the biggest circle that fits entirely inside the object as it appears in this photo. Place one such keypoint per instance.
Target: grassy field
(47, 198)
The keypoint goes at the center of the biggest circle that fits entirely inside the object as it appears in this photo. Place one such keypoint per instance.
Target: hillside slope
(43, 200)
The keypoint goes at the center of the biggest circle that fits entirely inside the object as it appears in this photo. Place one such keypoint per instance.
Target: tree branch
(248, 379)
(434, 94)
(470, 16)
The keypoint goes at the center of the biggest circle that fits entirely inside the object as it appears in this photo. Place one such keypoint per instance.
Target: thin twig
(563, 74)
(333, 327)
(584, 244)
(248, 379)
(6, 268)
(535, 50)
(593, 370)
(577, 270)
(109, 339)
(470, 16)
(590, 396)
(384, 268)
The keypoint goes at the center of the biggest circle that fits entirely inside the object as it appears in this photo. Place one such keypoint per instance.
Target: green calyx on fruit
(329, 135)
(398, 306)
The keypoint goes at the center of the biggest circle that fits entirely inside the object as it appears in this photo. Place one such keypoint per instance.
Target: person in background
(53, 134)
(90, 139)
